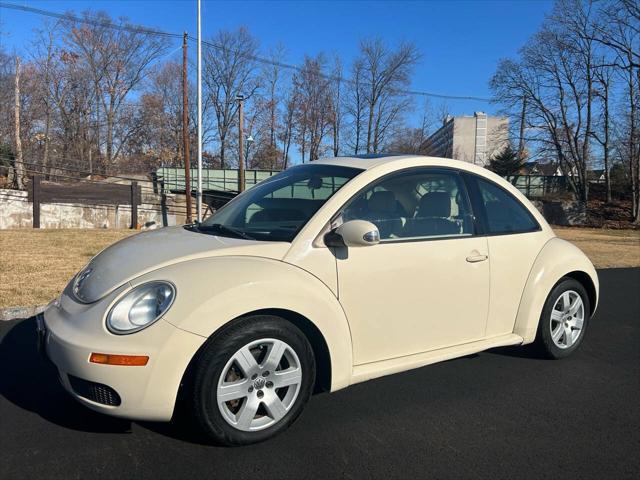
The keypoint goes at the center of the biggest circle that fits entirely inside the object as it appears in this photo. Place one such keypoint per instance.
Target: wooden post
(134, 205)
(35, 194)
(163, 205)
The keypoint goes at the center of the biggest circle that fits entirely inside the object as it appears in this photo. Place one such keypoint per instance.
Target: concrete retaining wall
(17, 212)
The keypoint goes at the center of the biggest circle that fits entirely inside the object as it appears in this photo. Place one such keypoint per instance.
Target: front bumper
(69, 332)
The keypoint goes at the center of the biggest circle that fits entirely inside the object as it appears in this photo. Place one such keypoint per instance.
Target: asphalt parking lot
(499, 414)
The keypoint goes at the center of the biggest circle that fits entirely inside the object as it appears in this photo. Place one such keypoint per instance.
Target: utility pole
(240, 99)
(199, 191)
(185, 128)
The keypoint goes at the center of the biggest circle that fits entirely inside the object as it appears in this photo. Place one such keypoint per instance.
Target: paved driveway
(499, 414)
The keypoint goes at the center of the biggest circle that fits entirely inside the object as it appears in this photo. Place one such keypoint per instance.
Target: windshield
(277, 208)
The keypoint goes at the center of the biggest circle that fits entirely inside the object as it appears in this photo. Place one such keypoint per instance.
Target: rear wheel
(252, 380)
(564, 319)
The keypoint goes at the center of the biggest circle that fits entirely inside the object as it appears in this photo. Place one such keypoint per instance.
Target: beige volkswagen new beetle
(325, 275)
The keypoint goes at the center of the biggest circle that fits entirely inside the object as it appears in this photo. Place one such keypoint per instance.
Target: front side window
(504, 213)
(414, 204)
(277, 208)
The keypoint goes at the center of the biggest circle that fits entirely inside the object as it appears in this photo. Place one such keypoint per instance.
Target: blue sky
(461, 41)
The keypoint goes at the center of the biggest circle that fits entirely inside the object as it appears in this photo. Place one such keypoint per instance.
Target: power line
(265, 61)
(336, 78)
(89, 21)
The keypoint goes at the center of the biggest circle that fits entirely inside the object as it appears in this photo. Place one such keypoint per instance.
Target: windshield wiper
(224, 229)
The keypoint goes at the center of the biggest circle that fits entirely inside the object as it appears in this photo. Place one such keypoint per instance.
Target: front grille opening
(96, 392)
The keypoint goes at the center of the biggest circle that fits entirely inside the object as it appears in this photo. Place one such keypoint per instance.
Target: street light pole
(185, 129)
(240, 99)
(199, 188)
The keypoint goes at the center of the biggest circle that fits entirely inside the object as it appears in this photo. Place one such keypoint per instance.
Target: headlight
(140, 307)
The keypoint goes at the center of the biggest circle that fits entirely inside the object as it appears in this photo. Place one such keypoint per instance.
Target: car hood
(148, 251)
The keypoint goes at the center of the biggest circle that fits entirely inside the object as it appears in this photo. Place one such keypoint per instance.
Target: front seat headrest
(382, 202)
(435, 204)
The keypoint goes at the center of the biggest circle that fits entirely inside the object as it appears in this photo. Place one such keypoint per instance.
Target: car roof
(367, 162)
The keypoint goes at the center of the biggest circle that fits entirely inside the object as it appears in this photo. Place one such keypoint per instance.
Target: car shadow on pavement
(30, 382)
(525, 351)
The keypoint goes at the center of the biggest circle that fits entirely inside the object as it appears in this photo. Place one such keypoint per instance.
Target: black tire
(201, 388)
(544, 343)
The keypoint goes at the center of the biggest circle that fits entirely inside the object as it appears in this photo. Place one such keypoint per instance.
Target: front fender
(556, 259)
(212, 292)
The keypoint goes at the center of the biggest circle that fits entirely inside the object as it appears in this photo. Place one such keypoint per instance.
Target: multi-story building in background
(475, 139)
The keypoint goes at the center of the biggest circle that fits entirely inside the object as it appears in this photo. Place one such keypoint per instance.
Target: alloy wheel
(259, 384)
(567, 319)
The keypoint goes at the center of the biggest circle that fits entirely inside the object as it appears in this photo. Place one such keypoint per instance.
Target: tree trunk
(19, 167)
(97, 126)
(45, 154)
(634, 152)
(222, 151)
(605, 146)
(523, 114)
(370, 126)
(109, 140)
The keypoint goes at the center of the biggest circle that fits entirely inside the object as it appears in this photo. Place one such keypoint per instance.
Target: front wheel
(564, 319)
(252, 380)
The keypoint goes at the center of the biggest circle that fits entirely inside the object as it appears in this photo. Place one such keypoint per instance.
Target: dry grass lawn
(605, 248)
(35, 265)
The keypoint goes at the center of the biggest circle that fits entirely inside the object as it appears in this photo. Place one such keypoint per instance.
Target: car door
(515, 239)
(425, 286)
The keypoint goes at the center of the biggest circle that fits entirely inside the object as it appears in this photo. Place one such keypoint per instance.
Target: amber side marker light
(124, 360)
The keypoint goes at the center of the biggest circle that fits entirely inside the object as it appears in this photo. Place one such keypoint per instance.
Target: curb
(14, 313)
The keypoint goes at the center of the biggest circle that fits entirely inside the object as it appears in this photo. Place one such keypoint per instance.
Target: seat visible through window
(432, 216)
(436, 202)
(384, 211)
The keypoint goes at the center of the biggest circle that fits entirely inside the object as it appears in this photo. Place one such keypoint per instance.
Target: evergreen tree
(506, 162)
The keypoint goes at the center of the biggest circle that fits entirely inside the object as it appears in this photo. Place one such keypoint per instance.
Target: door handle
(477, 258)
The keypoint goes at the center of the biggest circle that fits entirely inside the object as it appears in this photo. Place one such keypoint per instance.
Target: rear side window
(504, 213)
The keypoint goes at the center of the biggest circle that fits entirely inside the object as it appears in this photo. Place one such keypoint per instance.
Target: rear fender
(556, 259)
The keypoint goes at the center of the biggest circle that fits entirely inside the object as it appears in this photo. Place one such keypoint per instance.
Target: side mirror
(354, 233)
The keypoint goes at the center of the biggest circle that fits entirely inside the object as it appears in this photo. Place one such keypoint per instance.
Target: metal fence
(536, 186)
(213, 179)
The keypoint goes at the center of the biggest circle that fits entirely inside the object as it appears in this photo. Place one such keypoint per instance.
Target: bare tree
(602, 133)
(337, 100)
(386, 73)
(44, 58)
(229, 71)
(355, 108)
(161, 115)
(555, 75)
(415, 140)
(119, 60)
(565, 76)
(71, 93)
(287, 128)
(618, 29)
(314, 105)
(273, 78)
